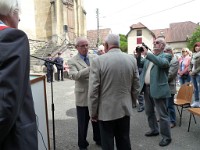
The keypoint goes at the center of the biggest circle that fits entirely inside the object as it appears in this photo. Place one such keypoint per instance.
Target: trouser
(60, 72)
(83, 120)
(171, 109)
(161, 107)
(118, 129)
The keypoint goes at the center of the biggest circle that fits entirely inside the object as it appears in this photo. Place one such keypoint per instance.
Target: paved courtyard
(66, 125)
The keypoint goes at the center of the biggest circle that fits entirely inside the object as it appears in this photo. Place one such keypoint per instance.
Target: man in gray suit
(79, 68)
(154, 83)
(113, 86)
(173, 71)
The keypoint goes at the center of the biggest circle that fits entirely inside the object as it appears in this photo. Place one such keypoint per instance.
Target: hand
(144, 53)
(94, 119)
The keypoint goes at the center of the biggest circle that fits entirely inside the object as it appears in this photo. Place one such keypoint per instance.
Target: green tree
(194, 38)
(123, 43)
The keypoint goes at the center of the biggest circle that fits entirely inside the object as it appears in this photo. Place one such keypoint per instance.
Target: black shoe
(98, 143)
(140, 109)
(150, 133)
(165, 142)
(172, 125)
(82, 148)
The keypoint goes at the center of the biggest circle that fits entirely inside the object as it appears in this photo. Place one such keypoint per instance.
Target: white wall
(147, 38)
(27, 18)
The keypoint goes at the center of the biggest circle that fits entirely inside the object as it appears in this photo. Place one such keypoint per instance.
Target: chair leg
(194, 118)
(178, 110)
(190, 121)
(181, 116)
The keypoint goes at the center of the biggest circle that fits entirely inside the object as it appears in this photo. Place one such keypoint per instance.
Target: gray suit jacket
(173, 70)
(18, 130)
(79, 71)
(113, 85)
(159, 87)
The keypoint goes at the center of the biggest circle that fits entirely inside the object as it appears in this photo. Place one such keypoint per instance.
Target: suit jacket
(159, 87)
(18, 130)
(173, 70)
(79, 71)
(113, 85)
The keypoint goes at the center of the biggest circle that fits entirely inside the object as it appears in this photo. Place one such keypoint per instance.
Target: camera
(140, 49)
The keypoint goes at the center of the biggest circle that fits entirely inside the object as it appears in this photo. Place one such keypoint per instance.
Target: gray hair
(113, 39)
(168, 48)
(162, 40)
(79, 39)
(9, 7)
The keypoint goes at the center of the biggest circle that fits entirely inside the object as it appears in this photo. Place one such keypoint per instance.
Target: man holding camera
(154, 83)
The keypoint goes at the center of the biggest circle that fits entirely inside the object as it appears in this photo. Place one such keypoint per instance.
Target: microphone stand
(52, 102)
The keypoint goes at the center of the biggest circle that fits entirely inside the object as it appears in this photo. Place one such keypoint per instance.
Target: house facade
(97, 37)
(175, 36)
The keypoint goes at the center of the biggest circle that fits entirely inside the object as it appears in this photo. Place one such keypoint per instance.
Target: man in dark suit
(18, 129)
(59, 65)
(154, 83)
(50, 68)
(79, 68)
(113, 88)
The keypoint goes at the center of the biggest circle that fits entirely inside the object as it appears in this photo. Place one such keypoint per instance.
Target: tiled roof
(92, 36)
(177, 32)
(139, 25)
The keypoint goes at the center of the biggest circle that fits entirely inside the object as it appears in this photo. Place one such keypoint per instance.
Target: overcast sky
(119, 15)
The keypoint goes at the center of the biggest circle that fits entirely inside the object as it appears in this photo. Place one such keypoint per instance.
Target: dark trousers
(161, 107)
(60, 72)
(83, 120)
(49, 75)
(118, 129)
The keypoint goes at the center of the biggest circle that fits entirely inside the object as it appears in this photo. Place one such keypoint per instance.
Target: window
(139, 32)
(139, 40)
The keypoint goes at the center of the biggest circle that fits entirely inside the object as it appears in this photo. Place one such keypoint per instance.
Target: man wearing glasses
(154, 83)
(79, 68)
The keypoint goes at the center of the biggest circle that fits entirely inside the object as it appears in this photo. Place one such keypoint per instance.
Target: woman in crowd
(184, 63)
(194, 70)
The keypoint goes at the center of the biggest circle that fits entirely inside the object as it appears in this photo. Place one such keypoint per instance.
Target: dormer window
(139, 32)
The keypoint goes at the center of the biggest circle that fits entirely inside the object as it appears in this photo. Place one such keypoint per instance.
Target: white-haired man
(113, 86)
(18, 128)
(79, 68)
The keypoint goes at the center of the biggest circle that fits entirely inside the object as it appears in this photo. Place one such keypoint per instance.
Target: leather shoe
(98, 143)
(150, 133)
(172, 125)
(165, 142)
(82, 148)
(140, 109)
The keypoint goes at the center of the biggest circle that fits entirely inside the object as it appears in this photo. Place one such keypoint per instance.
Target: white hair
(101, 47)
(79, 39)
(9, 7)
(113, 39)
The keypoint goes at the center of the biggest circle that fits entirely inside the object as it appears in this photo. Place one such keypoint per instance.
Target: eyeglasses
(168, 50)
(156, 42)
(183, 51)
(83, 46)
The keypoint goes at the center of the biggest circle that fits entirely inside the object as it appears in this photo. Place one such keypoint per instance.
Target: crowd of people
(109, 86)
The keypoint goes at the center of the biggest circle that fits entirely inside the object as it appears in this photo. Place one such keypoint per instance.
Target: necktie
(86, 61)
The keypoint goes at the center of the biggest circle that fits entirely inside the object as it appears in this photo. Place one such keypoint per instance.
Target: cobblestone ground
(66, 125)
